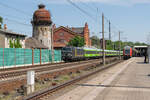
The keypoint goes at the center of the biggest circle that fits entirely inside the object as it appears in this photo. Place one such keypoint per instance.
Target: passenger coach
(82, 53)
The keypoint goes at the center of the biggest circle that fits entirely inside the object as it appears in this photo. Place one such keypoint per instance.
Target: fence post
(3, 57)
(40, 56)
(48, 56)
(24, 56)
(15, 57)
(32, 56)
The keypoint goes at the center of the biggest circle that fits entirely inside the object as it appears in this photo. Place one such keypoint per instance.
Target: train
(82, 53)
(127, 52)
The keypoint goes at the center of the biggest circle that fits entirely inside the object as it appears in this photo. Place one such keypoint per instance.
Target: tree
(1, 22)
(11, 45)
(95, 41)
(109, 45)
(114, 45)
(17, 44)
(148, 39)
(77, 41)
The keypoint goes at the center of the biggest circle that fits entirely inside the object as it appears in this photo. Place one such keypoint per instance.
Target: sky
(131, 17)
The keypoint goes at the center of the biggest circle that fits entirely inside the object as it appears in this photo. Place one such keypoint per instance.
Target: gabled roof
(68, 30)
(34, 43)
(11, 33)
(79, 30)
(140, 46)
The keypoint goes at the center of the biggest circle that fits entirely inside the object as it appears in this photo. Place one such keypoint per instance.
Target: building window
(61, 40)
(41, 41)
(61, 34)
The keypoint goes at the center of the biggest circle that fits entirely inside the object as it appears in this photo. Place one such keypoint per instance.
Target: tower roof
(42, 15)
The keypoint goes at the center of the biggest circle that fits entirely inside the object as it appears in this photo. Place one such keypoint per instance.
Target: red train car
(127, 52)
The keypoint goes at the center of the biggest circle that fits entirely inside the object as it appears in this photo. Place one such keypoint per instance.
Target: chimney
(86, 34)
(67, 26)
(5, 27)
(72, 28)
(54, 26)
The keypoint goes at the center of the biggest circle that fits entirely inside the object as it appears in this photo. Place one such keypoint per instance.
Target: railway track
(47, 92)
(20, 72)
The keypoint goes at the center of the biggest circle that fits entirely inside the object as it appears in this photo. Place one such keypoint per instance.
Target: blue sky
(129, 16)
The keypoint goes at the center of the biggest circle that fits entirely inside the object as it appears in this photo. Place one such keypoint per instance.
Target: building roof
(11, 33)
(41, 14)
(127, 47)
(34, 43)
(79, 30)
(68, 30)
(140, 46)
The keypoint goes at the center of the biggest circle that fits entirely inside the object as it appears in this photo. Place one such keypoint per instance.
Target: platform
(133, 83)
(127, 81)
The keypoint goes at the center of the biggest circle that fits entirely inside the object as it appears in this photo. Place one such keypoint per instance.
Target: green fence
(15, 57)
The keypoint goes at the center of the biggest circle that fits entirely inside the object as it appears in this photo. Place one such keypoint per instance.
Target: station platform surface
(133, 83)
(129, 80)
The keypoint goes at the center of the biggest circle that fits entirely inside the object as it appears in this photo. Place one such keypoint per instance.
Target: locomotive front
(67, 53)
(127, 52)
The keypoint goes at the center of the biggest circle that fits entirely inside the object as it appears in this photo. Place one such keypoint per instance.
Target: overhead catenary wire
(12, 16)
(106, 19)
(86, 5)
(15, 21)
(13, 8)
(83, 11)
(71, 2)
(91, 8)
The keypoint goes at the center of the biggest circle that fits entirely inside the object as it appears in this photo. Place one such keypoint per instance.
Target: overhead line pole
(119, 46)
(109, 30)
(103, 39)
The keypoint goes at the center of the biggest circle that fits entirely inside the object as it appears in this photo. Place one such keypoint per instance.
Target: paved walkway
(129, 80)
(131, 84)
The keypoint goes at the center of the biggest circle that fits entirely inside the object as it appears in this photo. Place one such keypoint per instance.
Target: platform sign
(30, 77)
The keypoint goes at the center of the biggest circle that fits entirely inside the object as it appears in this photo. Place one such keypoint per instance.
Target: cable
(83, 11)
(86, 5)
(18, 10)
(12, 16)
(107, 20)
(104, 16)
(18, 22)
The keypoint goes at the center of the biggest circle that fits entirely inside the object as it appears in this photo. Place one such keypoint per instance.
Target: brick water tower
(42, 26)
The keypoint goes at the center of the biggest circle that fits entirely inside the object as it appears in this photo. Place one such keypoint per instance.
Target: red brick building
(62, 35)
